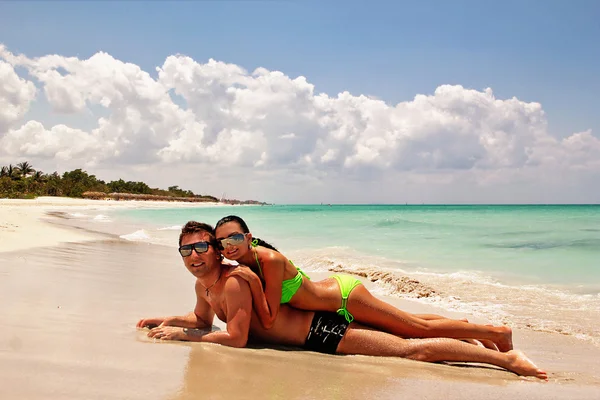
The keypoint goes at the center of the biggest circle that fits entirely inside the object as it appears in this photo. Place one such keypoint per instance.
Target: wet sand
(70, 310)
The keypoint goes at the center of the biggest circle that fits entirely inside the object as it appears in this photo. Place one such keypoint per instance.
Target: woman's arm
(266, 302)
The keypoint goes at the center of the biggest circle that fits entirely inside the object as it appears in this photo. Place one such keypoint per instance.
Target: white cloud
(222, 116)
(33, 141)
(16, 94)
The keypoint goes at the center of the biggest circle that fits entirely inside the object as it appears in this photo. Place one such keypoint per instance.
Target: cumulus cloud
(34, 141)
(219, 114)
(15, 96)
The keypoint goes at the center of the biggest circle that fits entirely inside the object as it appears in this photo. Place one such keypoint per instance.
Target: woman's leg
(478, 342)
(431, 317)
(369, 310)
(366, 341)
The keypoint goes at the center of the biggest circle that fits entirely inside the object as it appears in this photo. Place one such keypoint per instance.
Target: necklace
(214, 283)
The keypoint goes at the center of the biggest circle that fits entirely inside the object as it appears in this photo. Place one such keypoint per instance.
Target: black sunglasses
(233, 240)
(198, 247)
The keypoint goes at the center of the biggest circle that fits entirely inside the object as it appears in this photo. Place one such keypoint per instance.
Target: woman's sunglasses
(198, 247)
(232, 240)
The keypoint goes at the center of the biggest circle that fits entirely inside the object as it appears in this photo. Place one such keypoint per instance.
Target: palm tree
(3, 172)
(25, 168)
(12, 172)
(39, 176)
(53, 184)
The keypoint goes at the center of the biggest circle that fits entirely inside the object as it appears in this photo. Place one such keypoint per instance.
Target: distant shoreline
(438, 204)
(22, 220)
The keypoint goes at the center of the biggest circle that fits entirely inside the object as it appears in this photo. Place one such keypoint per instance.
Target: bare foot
(505, 343)
(520, 364)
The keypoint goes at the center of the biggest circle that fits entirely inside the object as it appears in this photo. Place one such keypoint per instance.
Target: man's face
(203, 263)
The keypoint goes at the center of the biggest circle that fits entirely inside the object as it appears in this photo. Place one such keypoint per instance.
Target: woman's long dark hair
(244, 226)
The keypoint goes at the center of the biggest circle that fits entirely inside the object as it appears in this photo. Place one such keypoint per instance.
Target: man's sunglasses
(233, 240)
(198, 247)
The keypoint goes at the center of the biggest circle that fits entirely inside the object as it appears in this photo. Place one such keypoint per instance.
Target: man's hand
(168, 333)
(150, 322)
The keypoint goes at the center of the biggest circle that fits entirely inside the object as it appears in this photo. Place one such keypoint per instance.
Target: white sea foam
(77, 215)
(519, 306)
(170, 228)
(137, 236)
(102, 218)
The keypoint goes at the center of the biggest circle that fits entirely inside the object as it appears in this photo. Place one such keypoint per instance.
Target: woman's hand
(243, 272)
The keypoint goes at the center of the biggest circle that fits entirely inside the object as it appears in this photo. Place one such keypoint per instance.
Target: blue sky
(544, 51)
(536, 51)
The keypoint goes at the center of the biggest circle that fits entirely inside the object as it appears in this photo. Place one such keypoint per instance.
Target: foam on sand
(140, 235)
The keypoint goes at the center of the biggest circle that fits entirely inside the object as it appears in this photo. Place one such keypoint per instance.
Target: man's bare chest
(219, 309)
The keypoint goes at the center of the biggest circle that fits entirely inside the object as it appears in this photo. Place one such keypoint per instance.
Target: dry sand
(69, 308)
(20, 225)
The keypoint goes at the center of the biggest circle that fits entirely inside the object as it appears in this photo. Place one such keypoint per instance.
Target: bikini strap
(299, 270)
(257, 262)
(344, 311)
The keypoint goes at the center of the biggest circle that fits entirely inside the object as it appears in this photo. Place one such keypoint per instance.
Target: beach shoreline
(87, 291)
(21, 220)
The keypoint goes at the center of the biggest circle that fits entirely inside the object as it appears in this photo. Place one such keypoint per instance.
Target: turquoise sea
(531, 266)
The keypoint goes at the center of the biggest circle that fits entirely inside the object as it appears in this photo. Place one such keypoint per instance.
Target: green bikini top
(289, 287)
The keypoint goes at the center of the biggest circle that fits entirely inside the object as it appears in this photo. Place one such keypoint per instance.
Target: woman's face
(234, 242)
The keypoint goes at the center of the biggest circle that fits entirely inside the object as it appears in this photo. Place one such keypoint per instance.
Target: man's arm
(201, 317)
(238, 307)
(238, 303)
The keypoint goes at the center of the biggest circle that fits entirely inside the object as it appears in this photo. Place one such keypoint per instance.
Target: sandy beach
(20, 219)
(72, 296)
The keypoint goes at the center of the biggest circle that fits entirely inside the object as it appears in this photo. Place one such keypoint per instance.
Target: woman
(286, 283)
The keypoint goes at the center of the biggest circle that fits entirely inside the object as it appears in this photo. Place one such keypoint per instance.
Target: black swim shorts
(326, 331)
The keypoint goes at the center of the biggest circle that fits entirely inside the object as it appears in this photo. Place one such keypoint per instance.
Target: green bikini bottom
(347, 284)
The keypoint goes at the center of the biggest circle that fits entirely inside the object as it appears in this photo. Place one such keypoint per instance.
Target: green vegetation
(22, 181)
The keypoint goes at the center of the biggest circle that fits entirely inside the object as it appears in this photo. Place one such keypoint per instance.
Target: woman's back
(321, 295)
(297, 288)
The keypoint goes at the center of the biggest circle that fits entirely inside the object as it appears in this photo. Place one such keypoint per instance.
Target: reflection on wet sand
(219, 372)
(285, 373)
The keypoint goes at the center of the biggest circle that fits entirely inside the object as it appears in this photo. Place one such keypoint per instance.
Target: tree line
(22, 181)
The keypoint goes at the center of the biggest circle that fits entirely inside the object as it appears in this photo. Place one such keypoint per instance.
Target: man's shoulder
(236, 290)
(233, 282)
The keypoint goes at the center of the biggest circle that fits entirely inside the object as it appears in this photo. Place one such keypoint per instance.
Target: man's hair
(192, 227)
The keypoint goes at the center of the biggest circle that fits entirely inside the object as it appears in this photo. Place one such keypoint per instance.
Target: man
(229, 297)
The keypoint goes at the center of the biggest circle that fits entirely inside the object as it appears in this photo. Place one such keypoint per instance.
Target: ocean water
(529, 266)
